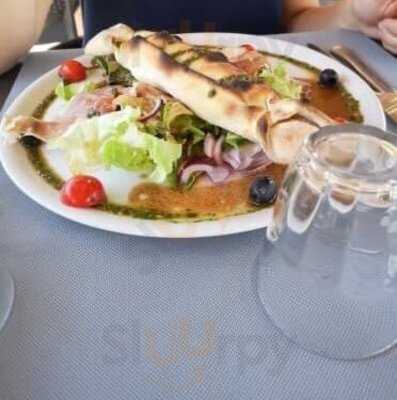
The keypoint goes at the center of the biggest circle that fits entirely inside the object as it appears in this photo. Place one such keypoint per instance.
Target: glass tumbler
(327, 277)
(7, 294)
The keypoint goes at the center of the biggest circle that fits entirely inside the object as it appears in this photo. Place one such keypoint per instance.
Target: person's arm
(375, 18)
(307, 15)
(21, 23)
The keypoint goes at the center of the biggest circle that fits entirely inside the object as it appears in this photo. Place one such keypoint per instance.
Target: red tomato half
(72, 71)
(83, 191)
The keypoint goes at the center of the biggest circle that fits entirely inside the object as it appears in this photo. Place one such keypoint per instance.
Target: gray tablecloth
(105, 316)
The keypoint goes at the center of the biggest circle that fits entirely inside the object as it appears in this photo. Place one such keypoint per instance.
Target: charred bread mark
(170, 66)
(241, 85)
(163, 39)
(215, 56)
(263, 126)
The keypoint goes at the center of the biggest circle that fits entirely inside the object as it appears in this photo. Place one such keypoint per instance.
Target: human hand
(377, 19)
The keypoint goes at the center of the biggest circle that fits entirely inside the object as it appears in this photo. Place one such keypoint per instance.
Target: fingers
(388, 34)
(390, 10)
(372, 32)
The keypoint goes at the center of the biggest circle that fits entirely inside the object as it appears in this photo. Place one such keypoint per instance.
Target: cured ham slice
(29, 126)
(81, 106)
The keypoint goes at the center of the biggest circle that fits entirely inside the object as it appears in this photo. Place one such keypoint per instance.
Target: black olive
(30, 142)
(329, 78)
(263, 191)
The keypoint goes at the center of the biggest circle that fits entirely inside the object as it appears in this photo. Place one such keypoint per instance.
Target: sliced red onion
(209, 145)
(217, 174)
(242, 158)
(236, 175)
(230, 164)
(246, 161)
(253, 171)
(217, 155)
(153, 111)
(260, 159)
(251, 149)
(248, 153)
(232, 157)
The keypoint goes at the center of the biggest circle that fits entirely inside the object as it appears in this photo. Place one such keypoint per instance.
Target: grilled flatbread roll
(207, 98)
(214, 87)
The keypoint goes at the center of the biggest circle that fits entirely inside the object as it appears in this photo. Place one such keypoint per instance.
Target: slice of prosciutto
(85, 105)
(82, 106)
(29, 126)
(98, 102)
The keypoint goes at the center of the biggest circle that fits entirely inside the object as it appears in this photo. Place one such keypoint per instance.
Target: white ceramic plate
(19, 169)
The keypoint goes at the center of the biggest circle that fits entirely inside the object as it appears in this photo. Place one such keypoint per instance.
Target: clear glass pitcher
(328, 276)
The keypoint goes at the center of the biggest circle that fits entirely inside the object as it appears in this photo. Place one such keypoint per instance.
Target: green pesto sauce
(212, 93)
(141, 213)
(35, 154)
(41, 109)
(178, 53)
(192, 59)
(353, 105)
(40, 164)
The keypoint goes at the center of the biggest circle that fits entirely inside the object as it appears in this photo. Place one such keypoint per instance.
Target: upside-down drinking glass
(328, 276)
(7, 293)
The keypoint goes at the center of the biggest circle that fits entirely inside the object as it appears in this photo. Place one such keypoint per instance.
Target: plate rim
(161, 228)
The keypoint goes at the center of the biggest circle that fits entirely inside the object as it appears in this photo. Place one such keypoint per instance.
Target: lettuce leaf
(281, 83)
(123, 156)
(179, 120)
(164, 155)
(176, 117)
(107, 63)
(67, 92)
(115, 140)
(234, 140)
(117, 75)
(121, 76)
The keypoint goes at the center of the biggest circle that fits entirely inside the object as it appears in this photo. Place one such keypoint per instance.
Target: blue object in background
(248, 16)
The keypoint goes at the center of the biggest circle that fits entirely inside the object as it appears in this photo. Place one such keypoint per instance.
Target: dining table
(105, 316)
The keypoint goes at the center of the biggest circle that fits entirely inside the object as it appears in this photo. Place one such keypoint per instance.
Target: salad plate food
(163, 135)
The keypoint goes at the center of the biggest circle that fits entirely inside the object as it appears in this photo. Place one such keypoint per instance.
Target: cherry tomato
(249, 47)
(83, 191)
(341, 120)
(72, 71)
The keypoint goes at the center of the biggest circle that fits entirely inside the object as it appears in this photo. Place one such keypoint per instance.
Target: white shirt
(21, 23)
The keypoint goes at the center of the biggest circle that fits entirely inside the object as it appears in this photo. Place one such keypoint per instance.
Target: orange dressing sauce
(201, 202)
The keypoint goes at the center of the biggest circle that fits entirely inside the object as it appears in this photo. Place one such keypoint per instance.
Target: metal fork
(386, 94)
